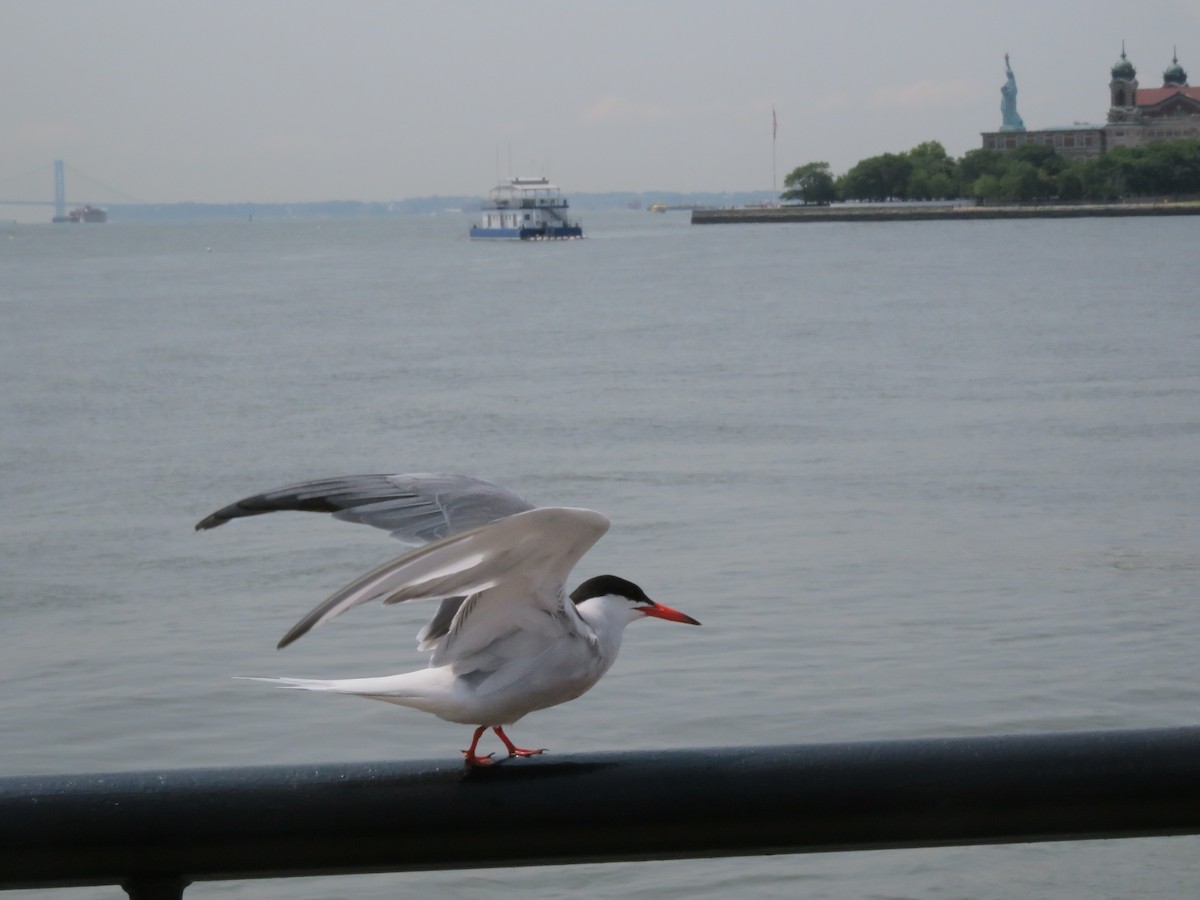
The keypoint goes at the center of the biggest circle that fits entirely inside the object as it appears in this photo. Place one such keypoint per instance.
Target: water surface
(916, 479)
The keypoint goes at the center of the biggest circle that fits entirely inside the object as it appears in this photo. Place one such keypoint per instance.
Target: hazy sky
(266, 100)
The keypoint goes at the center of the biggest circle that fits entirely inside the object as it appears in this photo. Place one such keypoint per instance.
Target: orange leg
(513, 749)
(469, 753)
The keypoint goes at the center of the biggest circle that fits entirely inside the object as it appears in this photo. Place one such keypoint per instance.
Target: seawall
(907, 213)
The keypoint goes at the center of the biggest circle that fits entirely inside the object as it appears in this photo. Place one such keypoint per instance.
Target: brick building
(1136, 116)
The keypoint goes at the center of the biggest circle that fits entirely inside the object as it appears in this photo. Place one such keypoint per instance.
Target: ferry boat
(526, 209)
(84, 214)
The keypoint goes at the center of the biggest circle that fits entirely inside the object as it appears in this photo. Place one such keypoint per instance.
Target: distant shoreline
(456, 204)
(921, 213)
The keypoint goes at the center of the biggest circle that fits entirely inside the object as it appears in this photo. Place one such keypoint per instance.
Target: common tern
(504, 641)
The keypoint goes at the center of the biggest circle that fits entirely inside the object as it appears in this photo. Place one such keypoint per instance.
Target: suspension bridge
(85, 210)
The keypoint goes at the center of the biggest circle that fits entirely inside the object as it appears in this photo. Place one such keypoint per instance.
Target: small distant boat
(84, 214)
(658, 207)
(526, 209)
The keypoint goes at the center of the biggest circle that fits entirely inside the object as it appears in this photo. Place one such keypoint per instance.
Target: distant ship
(83, 214)
(526, 209)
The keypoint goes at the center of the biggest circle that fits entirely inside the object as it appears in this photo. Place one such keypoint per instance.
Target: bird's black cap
(603, 585)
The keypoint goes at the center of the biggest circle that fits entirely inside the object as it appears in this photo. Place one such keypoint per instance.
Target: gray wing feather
(416, 509)
(549, 540)
(439, 626)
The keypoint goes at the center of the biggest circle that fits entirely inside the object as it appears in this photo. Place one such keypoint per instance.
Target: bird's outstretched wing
(416, 509)
(531, 553)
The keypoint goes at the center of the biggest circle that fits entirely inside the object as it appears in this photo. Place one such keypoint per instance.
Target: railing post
(155, 888)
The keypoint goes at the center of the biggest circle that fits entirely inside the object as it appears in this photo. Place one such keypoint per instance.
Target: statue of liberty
(1008, 101)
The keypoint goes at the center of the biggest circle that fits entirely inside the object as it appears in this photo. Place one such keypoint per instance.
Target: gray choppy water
(915, 479)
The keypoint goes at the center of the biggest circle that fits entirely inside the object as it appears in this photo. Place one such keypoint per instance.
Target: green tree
(944, 186)
(1113, 172)
(1069, 183)
(1102, 179)
(878, 178)
(1168, 167)
(1024, 181)
(986, 187)
(977, 163)
(934, 174)
(931, 155)
(1030, 172)
(1041, 157)
(810, 183)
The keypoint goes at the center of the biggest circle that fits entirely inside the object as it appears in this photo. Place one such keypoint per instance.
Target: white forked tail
(409, 689)
(333, 686)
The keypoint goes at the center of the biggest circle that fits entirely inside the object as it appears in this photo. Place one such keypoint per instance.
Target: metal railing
(155, 832)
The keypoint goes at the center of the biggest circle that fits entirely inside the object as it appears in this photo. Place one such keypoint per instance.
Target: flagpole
(774, 136)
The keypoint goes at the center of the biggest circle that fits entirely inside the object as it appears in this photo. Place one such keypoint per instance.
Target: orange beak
(658, 611)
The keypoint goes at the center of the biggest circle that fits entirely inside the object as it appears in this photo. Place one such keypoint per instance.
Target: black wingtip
(301, 628)
(247, 507)
(210, 522)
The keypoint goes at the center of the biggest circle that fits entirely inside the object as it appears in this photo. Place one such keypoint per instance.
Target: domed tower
(1174, 75)
(1122, 89)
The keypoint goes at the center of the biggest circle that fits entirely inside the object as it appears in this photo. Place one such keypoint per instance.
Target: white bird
(504, 641)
